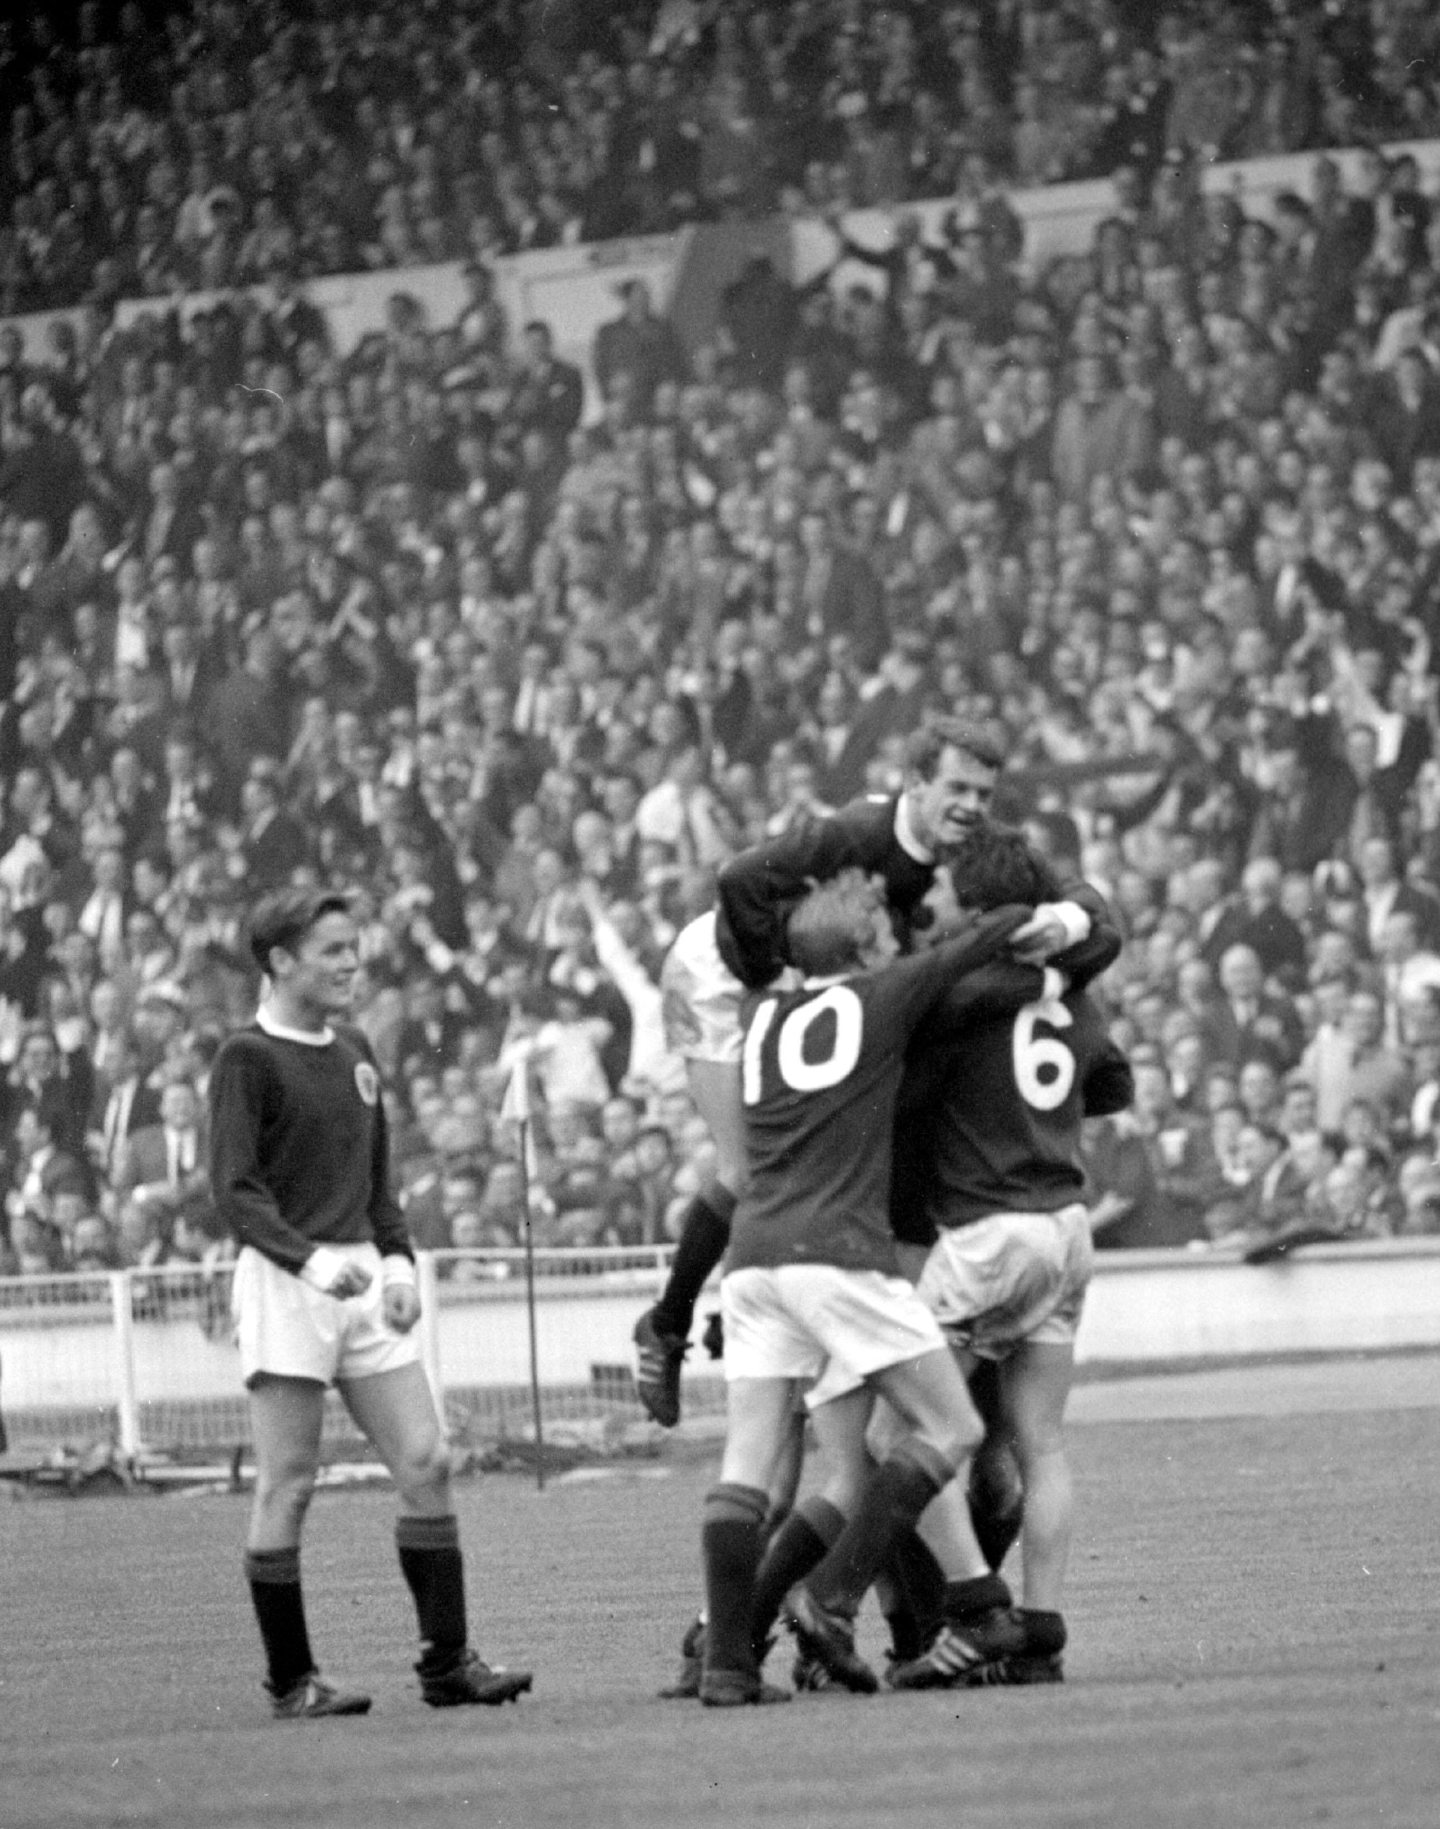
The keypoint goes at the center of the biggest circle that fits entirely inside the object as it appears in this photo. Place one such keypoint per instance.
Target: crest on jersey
(367, 1082)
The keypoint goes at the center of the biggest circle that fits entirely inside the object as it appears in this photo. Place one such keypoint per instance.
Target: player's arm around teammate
(813, 1277)
(325, 1294)
(1008, 1273)
(951, 771)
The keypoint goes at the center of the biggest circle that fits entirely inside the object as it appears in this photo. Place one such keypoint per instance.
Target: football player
(325, 1294)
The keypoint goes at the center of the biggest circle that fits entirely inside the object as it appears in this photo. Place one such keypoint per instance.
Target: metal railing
(146, 1359)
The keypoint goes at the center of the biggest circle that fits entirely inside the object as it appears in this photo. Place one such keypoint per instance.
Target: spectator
(1349, 1061)
(547, 394)
(1252, 1020)
(638, 351)
(164, 1167)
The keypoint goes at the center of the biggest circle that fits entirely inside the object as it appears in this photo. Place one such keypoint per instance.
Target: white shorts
(799, 1320)
(700, 997)
(286, 1328)
(1011, 1277)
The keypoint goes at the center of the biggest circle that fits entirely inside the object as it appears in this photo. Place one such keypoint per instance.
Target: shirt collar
(905, 835)
(283, 1033)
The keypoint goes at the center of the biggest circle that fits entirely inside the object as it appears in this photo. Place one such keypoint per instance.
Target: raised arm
(757, 890)
(1058, 929)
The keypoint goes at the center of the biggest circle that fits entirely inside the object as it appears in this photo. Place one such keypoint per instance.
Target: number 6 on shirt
(1044, 1066)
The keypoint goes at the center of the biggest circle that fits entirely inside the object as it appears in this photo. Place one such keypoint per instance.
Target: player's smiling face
(947, 807)
(323, 967)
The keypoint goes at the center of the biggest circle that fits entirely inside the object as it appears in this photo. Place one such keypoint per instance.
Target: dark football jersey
(758, 889)
(992, 1120)
(299, 1148)
(820, 1070)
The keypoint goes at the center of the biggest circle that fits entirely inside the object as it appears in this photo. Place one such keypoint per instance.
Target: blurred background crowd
(1165, 514)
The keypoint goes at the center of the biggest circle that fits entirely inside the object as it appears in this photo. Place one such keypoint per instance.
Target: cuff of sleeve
(1073, 918)
(1054, 985)
(397, 1272)
(322, 1267)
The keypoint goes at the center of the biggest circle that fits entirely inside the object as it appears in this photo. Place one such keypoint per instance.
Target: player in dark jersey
(951, 771)
(325, 1293)
(913, 1589)
(1004, 1180)
(812, 1278)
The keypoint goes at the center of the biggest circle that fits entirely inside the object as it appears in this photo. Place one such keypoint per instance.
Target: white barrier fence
(145, 1358)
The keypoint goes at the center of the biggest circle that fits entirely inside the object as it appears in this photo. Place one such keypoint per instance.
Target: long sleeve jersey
(299, 1146)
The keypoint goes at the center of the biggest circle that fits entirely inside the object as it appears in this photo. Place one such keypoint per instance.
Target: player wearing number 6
(991, 1127)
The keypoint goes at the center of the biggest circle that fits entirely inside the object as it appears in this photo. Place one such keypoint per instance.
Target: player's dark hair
(995, 866)
(925, 747)
(832, 928)
(287, 915)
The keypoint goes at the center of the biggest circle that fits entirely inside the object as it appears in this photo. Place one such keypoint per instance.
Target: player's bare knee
(1036, 1449)
(285, 1490)
(423, 1476)
(953, 1439)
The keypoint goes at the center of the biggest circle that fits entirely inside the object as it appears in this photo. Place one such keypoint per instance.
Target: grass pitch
(1255, 1640)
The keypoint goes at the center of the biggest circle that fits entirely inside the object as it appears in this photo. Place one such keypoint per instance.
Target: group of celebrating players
(885, 1025)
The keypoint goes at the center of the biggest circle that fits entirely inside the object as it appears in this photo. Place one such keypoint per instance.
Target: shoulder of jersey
(353, 1037)
(872, 812)
(243, 1041)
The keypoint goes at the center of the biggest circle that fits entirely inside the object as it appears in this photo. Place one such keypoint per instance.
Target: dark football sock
(774, 1519)
(906, 1638)
(430, 1558)
(899, 1491)
(791, 1553)
(704, 1235)
(921, 1584)
(274, 1578)
(996, 1498)
(730, 1539)
(968, 1599)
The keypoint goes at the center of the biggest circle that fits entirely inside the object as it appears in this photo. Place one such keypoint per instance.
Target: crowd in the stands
(414, 617)
(155, 148)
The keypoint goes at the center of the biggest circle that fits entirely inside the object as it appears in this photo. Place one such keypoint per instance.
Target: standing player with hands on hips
(325, 1294)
